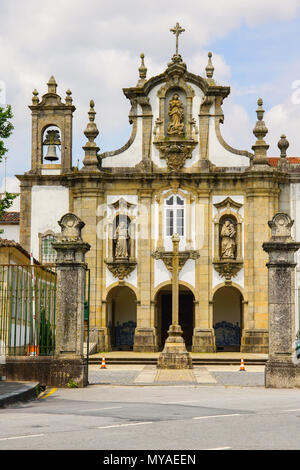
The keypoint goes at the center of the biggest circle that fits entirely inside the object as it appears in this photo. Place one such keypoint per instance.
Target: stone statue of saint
(176, 113)
(121, 235)
(228, 240)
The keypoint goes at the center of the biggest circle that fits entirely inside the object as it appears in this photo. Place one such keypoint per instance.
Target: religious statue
(228, 240)
(121, 235)
(176, 113)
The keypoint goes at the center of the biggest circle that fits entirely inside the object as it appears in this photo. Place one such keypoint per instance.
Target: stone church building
(176, 174)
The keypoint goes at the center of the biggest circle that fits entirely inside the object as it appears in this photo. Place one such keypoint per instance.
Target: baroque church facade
(175, 175)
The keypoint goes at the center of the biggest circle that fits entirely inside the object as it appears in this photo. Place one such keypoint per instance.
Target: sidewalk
(218, 375)
(216, 355)
(14, 392)
(142, 375)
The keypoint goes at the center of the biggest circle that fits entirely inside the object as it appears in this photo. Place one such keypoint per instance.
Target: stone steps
(196, 361)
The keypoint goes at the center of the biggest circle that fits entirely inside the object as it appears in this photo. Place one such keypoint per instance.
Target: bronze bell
(51, 153)
(52, 140)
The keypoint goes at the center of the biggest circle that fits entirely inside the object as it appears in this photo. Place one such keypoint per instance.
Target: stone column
(281, 368)
(175, 355)
(69, 363)
(175, 281)
(204, 335)
(145, 338)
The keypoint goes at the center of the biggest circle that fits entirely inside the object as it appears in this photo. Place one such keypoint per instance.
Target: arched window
(48, 253)
(174, 216)
(51, 144)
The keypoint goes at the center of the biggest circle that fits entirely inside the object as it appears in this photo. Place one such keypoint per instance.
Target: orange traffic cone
(103, 366)
(242, 366)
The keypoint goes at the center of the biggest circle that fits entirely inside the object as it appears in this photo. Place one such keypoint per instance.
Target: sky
(92, 47)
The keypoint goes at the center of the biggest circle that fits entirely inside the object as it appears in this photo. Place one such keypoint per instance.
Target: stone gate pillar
(69, 362)
(281, 368)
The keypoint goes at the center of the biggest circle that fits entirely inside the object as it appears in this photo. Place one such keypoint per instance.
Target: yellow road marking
(50, 393)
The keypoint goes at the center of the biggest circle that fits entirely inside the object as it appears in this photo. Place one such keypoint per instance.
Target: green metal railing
(27, 309)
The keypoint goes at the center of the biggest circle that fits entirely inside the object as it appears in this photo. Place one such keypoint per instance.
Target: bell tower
(51, 131)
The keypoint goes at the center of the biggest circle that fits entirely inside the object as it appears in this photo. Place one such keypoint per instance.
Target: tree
(6, 129)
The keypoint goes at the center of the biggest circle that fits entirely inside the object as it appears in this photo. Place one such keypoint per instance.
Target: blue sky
(93, 48)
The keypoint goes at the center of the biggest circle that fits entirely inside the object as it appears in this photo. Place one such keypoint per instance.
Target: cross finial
(177, 30)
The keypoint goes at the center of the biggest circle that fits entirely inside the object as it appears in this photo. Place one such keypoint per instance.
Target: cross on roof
(177, 30)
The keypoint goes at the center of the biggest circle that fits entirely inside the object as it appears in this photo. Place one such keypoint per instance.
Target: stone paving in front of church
(199, 375)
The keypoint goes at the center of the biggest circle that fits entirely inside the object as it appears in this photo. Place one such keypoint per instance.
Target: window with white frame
(47, 251)
(174, 216)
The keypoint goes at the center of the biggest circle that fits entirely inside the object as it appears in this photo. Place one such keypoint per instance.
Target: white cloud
(237, 127)
(93, 47)
(281, 119)
(11, 185)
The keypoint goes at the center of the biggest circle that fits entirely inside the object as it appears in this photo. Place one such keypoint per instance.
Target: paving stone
(246, 379)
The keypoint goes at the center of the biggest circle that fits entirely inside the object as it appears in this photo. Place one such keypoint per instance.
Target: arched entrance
(121, 317)
(164, 314)
(227, 318)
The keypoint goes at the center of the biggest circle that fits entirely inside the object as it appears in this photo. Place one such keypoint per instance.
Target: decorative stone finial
(52, 85)
(68, 97)
(283, 145)
(209, 68)
(281, 226)
(35, 98)
(260, 131)
(91, 149)
(71, 227)
(92, 114)
(142, 71)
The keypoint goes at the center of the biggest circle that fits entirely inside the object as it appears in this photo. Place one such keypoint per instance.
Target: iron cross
(177, 30)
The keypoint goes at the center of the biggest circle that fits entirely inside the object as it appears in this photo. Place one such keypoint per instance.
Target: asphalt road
(161, 417)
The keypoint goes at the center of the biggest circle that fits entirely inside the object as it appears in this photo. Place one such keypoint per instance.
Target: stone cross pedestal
(282, 369)
(175, 354)
(71, 275)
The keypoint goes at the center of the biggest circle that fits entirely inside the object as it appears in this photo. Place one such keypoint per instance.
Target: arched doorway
(227, 318)
(164, 314)
(121, 317)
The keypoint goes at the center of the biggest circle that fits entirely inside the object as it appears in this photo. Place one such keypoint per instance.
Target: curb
(196, 362)
(25, 393)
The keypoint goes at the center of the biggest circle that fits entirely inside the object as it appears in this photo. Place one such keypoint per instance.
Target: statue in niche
(228, 243)
(121, 236)
(176, 113)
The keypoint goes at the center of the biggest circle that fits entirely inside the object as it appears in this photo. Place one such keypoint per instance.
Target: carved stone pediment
(167, 257)
(228, 203)
(122, 205)
(121, 269)
(176, 152)
(228, 268)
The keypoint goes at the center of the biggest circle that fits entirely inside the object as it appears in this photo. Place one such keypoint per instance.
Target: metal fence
(27, 310)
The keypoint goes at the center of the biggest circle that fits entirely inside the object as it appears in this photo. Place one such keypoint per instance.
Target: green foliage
(6, 129)
(46, 341)
(6, 202)
(72, 384)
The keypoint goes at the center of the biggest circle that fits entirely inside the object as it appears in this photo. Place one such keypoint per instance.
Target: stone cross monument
(175, 355)
(282, 369)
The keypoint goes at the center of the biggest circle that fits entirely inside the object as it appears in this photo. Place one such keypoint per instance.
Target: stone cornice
(253, 182)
